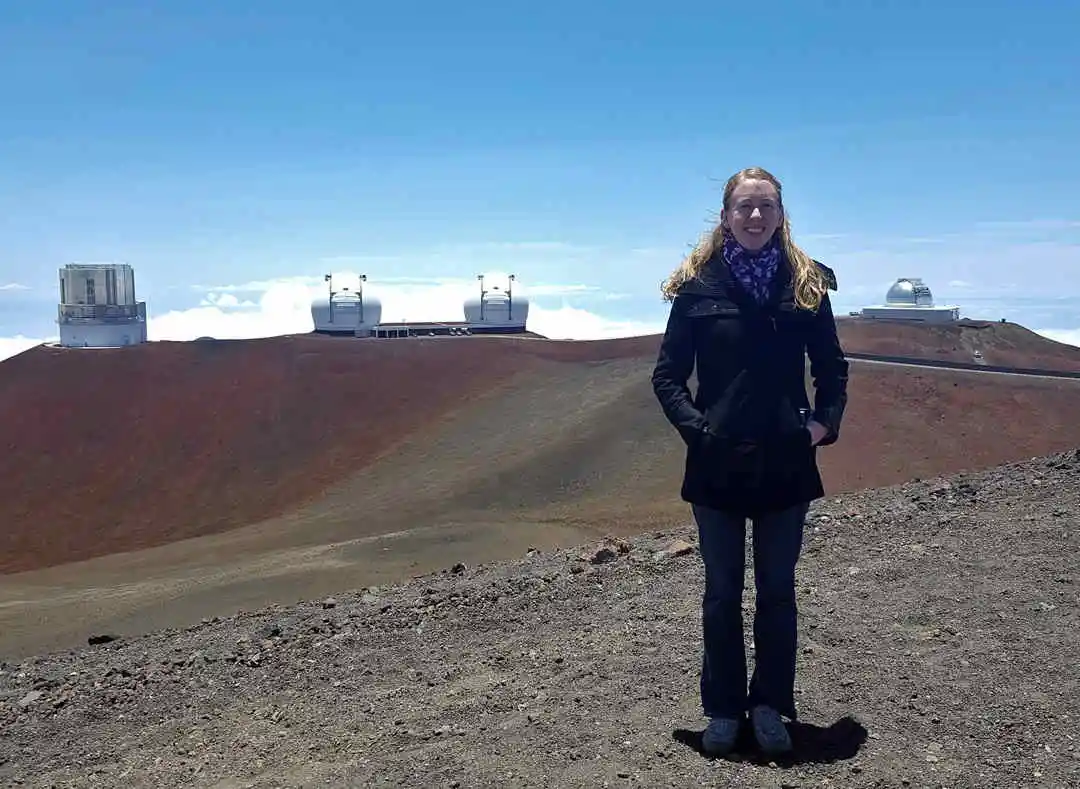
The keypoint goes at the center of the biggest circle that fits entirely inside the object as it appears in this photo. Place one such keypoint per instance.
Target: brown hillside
(1003, 344)
(115, 450)
(142, 447)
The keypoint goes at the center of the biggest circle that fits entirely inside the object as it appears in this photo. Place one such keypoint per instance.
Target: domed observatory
(346, 312)
(909, 292)
(495, 310)
(910, 299)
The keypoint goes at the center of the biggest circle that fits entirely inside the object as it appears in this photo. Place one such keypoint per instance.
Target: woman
(748, 308)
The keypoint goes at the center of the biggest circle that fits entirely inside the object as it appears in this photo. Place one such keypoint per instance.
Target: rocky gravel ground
(940, 646)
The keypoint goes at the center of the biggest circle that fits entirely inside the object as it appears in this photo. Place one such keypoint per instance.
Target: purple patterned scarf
(754, 269)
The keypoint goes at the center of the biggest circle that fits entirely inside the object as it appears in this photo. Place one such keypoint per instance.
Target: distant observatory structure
(346, 312)
(910, 299)
(497, 310)
(98, 308)
(494, 310)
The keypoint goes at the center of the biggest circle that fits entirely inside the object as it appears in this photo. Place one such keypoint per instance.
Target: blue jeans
(777, 541)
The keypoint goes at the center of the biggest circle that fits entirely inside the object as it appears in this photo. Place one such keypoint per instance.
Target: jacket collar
(716, 281)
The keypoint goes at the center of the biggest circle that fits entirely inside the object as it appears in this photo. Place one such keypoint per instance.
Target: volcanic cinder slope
(938, 635)
(117, 450)
(120, 449)
(154, 486)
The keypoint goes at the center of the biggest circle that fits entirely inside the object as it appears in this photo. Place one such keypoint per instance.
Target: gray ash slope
(942, 615)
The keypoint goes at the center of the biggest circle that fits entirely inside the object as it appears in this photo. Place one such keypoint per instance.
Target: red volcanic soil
(1001, 344)
(118, 450)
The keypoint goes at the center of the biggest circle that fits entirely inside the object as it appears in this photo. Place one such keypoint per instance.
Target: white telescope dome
(910, 292)
(497, 307)
(346, 313)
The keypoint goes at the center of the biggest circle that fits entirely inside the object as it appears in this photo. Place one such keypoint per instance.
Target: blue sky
(235, 151)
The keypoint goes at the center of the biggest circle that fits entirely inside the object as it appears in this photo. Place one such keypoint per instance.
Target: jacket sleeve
(674, 364)
(829, 369)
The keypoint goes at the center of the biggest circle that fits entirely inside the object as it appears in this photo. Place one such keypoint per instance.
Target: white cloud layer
(284, 307)
(10, 346)
(276, 307)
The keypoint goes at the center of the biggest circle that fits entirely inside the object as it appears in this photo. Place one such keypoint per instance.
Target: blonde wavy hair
(808, 279)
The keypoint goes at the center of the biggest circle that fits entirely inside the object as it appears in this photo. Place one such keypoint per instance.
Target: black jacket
(748, 450)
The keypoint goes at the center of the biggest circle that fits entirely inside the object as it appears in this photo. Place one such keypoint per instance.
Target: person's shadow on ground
(811, 744)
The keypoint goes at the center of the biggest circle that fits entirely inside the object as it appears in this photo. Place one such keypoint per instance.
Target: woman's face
(753, 213)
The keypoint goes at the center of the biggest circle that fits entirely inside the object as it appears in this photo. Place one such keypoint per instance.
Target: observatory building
(346, 312)
(355, 313)
(492, 311)
(497, 311)
(98, 307)
(910, 299)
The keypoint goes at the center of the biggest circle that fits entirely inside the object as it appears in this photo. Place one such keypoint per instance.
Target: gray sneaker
(719, 736)
(770, 731)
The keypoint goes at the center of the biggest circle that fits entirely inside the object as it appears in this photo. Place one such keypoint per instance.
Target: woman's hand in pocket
(818, 432)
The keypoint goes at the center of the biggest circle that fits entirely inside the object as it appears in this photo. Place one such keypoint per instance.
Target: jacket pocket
(774, 462)
(723, 461)
(791, 418)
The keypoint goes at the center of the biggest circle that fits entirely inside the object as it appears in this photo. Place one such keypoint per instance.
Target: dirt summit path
(939, 644)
